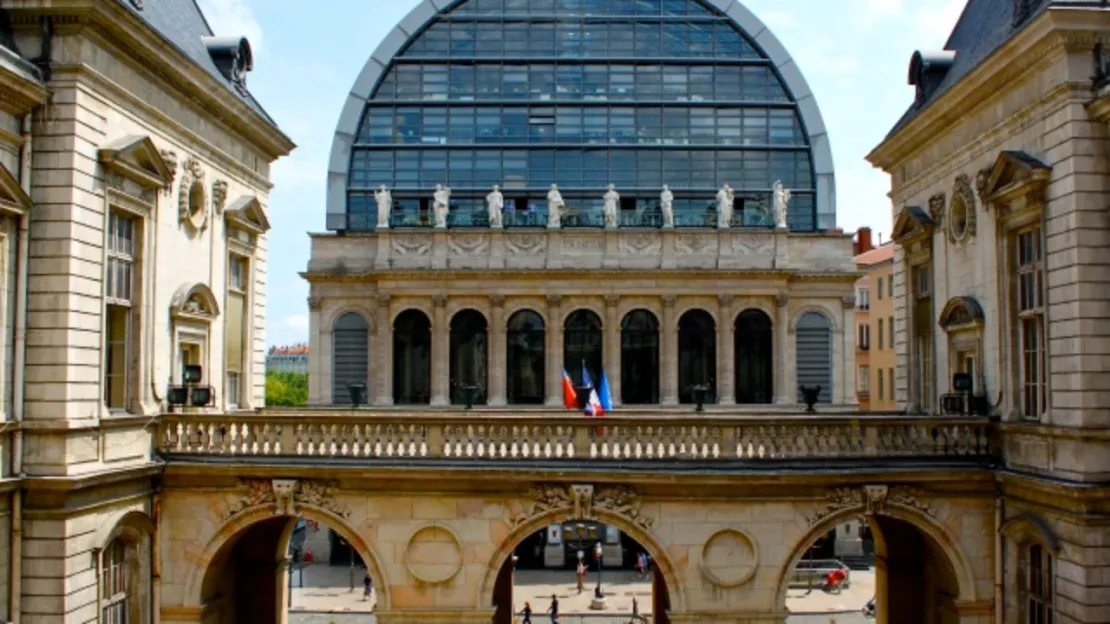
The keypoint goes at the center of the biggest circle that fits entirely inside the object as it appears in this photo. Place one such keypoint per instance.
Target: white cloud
(295, 321)
(936, 22)
(233, 17)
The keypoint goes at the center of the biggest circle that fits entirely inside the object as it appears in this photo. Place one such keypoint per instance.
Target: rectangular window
(1029, 306)
(880, 384)
(881, 334)
(863, 299)
(113, 583)
(864, 338)
(238, 270)
(924, 371)
(864, 381)
(119, 289)
(890, 286)
(1038, 585)
(890, 383)
(922, 285)
(890, 327)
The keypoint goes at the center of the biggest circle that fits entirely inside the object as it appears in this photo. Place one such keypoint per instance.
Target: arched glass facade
(580, 93)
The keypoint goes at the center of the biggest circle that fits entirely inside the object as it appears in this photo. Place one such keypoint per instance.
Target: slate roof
(182, 24)
(983, 27)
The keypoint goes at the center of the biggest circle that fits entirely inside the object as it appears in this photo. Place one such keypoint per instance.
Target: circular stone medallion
(433, 555)
(729, 558)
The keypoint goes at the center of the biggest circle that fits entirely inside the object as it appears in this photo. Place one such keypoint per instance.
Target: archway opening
(880, 564)
(814, 353)
(582, 345)
(754, 358)
(469, 346)
(697, 357)
(286, 569)
(412, 358)
(587, 570)
(525, 357)
(350, 355)
(640, 358)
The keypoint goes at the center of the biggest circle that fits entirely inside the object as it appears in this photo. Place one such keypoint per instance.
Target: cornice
(1040, 43)
(581, 274)
(17, 94)
(125, 32)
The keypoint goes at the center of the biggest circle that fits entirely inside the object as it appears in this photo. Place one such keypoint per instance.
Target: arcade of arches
(519, 360)
(441, 551)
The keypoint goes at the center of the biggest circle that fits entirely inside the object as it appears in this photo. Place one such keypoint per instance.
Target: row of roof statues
(495, 202)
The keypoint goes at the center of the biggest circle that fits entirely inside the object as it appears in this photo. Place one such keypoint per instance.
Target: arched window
(639, 358)
(469, 334)
(813, 341)
(525, 344)
(1038, 585)
(697, 355)
(116, 578)
(412, 361)
(754, 358)
(350, 355)
(582, 342)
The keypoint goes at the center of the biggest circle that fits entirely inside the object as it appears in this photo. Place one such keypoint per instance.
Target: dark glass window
(697, 355)
(582, 93)
(469, 340)
(526, 353)
(639, 358)
(412, 361)
(350, 355)
(813, 352)
(582, 340)
(754, 358)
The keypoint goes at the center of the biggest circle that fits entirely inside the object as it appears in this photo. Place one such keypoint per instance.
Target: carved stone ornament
(641, 244)
(115, 181)
(612, 301)
(439, 301)
(724, 300)
(936, 207)
(838, 499)
(411, 245)
(961, 217)
(170, 158)
(526, 245)
(584, 501)
(196, 305)
(468, 244)
(912, 498)
(873, 499)
(848, 302)
(553, 301)
(981, 180)
(192, 206)
(219, 196)
(782, 300)
(286, 494)
(497, 301)
(314, 303)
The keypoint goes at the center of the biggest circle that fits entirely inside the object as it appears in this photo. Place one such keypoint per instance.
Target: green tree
(284, 389)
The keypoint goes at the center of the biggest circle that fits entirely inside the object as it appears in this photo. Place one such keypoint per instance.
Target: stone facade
(134, 223)
(1000, 192)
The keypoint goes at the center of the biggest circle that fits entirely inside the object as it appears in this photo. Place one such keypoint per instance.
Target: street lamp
(598, 552)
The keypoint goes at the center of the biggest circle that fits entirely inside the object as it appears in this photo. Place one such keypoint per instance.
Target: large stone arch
(225, 536)
(656, 550)
(417, 19)
(929, 527)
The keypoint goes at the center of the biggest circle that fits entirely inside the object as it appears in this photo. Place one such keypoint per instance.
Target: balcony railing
(485, 436)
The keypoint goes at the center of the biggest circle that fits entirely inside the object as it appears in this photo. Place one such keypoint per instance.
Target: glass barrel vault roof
(581, 93)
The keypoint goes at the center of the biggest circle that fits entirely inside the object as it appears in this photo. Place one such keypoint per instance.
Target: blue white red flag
(604, 394)
(593, 406)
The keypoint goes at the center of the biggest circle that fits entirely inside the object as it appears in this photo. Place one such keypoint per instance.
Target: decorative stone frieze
(192, 205)
(170, 157)
(871, 499)
(961, 219)
(584, 501)
(836, 500)
(286, 494)
(936, 207)
(219, 196)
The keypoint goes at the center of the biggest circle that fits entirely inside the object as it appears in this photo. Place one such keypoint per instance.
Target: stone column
(785, 391)
(319, 348)
(554, 350)
(497, 351)
(281, 595)
(441, 352)
(844, 367)
(669, 356)
(382, 366)
(612, 351)
(726, 356)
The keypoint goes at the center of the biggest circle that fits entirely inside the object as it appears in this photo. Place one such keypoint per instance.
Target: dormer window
(927, 70)
(233, 57)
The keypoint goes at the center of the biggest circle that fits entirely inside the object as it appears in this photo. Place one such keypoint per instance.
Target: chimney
(863, 241)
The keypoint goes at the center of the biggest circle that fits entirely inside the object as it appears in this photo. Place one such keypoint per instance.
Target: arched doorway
(813, 354)
(469, 339)
(286, 564)
(412, 358)
(640, 358)
(892, 557)
(627, 576)
(350, 355)
(582, 345)
(697, 356)
(525, 358)
(754, 358)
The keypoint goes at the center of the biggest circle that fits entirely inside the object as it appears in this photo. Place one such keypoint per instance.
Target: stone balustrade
(488, 436)
(537, 249)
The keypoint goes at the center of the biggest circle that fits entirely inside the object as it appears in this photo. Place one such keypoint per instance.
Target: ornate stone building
(134, 171)
(1000, 187)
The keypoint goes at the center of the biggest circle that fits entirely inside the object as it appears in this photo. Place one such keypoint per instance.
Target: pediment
(13, 198)
(912, 223)
(961, 312)
(194, 302)
(137, 159)
(247, 213)
(1015, 173)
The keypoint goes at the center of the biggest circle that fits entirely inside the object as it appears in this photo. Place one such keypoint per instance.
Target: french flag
(596, 406)
(570, 397)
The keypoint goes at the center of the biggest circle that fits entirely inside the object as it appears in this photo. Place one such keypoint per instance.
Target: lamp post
(598, 552)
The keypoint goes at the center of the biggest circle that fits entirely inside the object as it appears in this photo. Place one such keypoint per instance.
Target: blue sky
(854, 53)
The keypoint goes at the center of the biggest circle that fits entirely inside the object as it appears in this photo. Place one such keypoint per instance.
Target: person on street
(367, 586)
(527, 613)
(640, 566)
(580, 573)
(554, 609)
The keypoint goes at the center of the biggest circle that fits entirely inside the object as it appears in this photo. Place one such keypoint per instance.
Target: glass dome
(524, 94)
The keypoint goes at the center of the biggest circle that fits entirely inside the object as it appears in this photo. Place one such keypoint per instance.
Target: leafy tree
(285, 389)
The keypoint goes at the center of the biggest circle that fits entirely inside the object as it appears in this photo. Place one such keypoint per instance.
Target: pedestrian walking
(554, 609)
(367, 586)
(527, 613)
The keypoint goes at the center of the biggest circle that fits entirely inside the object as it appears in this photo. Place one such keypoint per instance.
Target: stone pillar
(844, 367)
(612, 351)
(497, 352)
(669, 356)
(785, 391)
(319, 345)
(554, 350)
(441, 352)
(726, 356)
(284, 569)
(382, 366)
